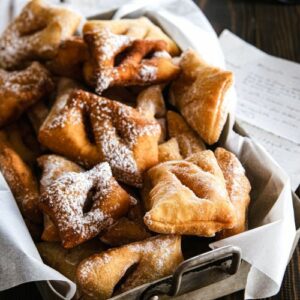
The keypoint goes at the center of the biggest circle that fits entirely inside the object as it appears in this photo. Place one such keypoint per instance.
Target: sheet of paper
(268, 90)
(285, 152)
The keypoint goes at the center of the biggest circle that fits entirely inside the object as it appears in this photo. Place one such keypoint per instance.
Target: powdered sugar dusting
(54, 166)
(159, 255)
(163, 54)
(66, 196)
(24, 39)
(105, 46)
(148, 72)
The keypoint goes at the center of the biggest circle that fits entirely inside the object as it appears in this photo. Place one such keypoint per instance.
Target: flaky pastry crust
(120, 135)
(188, 197)
(36, 33)
(153, 258)
(201, 93)
(21, 89)
(20, 179)
(141, 28)
(238, 187)
(117, 60)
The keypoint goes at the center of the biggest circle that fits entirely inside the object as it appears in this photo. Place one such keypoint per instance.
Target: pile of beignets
(108, 141)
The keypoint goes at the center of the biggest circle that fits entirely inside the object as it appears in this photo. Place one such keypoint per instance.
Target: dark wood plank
(274, 28)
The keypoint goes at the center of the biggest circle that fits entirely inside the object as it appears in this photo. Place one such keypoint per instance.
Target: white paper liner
(267, 247)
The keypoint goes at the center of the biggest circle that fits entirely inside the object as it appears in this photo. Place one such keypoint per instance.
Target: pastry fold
(201, 93)
(149, 260)
(141, 28)
(188, 140)
(21, 89)
(238, 187)
(106, 130)
(188, 197)
(36, 33)
(53, 166)
(20, 179)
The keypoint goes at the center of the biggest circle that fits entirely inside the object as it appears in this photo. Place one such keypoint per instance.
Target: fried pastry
(188, 197)
(151, 103)
(141, 28)
(22, 139)
(37, 114)
(117, 60)
(20, 180)
(151, 259)
(201, 93)
(118, 134)
(64, 260)
(238, 187)
(36, 33)
(53, 166)
(189, 142)
(69, 59)
(127, 229)
(83, 204)
(169, 151)
(21, 89)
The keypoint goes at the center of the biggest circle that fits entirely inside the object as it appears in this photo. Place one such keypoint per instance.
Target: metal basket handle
(173, 287)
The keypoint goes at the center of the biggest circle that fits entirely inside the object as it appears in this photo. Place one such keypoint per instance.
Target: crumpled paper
(268, 243)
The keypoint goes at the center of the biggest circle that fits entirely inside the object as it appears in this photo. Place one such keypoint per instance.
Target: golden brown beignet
(117, 60)
(21, 89)
(64, 260)
(189, 142)
(169, 151)
(201, 95)
(20, 179)
(106, 130)
(152, 259)
(141, 28)
(238, 187)
(128, 229)
(151, 103)
(37, 114)
(53, 166)
(69, 59)
(36, 33)
(188, 197)
(68, 197)
(22, 139)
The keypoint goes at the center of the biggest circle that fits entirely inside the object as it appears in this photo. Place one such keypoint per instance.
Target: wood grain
(273, 28)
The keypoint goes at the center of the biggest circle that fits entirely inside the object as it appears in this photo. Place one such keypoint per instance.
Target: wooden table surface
(272, 27)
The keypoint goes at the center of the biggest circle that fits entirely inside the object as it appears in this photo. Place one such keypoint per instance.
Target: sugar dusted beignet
(152, 259)
(118, 60)
(188, 140)
(21, 89)
(188, 197)
(141, 28)
(53, 166)
(36, 33)
(201, 93)
(238, 187)
(68, 197)
(20, 179)
(106, 130)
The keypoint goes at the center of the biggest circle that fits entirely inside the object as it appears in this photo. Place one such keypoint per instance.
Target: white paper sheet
(266, 245)
(285, 152)
(269, 100)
